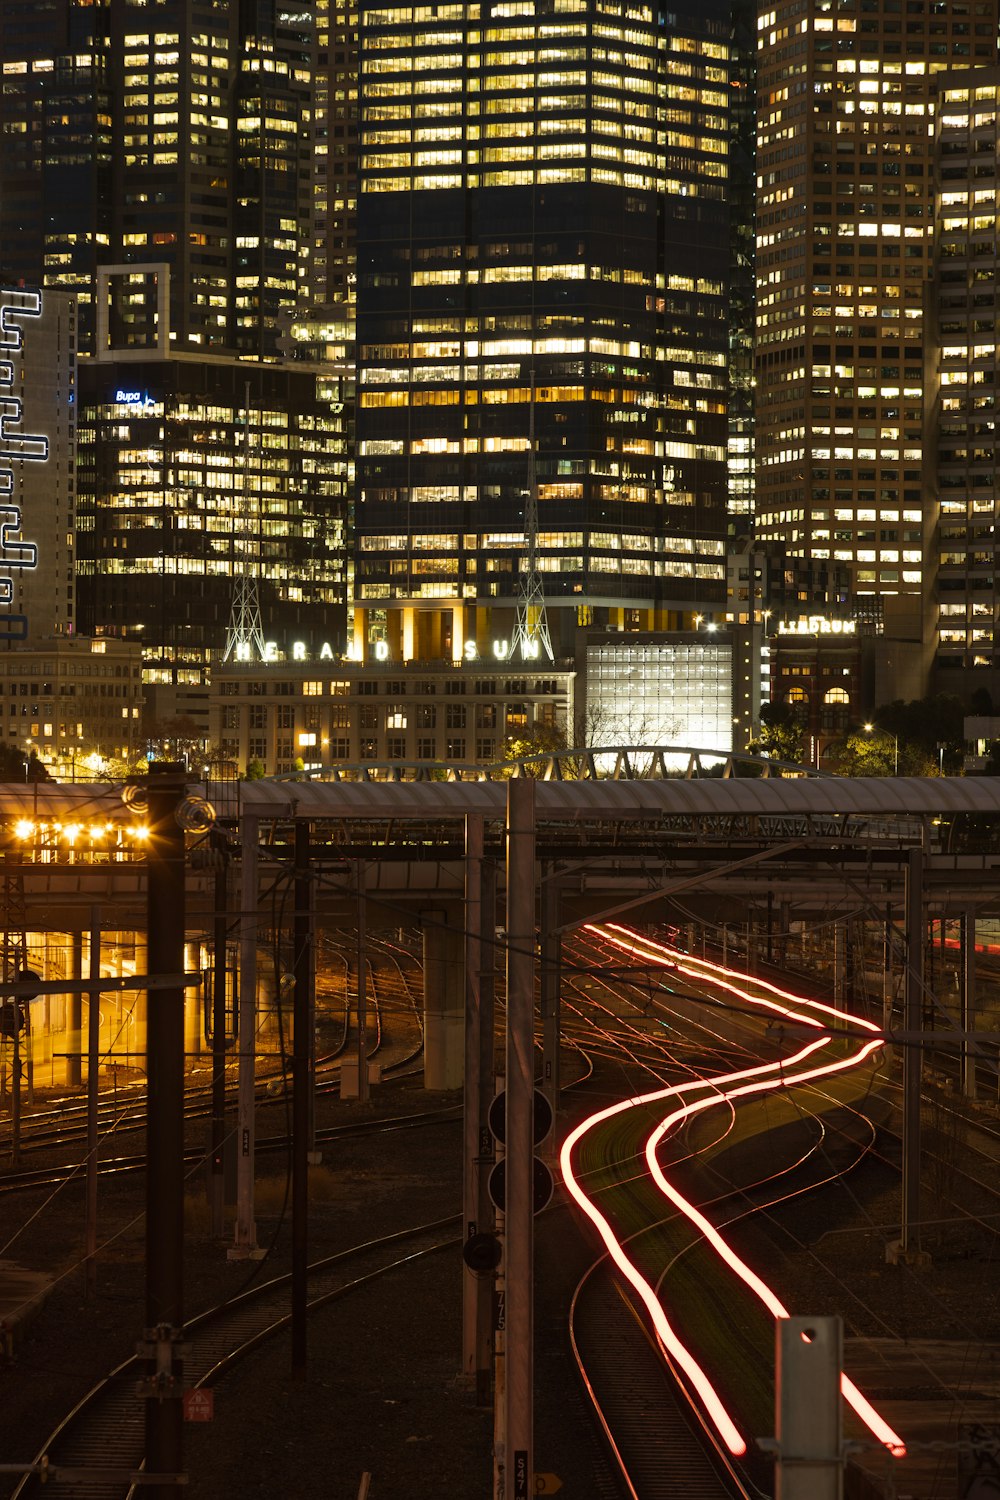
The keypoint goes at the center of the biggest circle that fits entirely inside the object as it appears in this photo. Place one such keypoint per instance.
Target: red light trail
(725, 1087)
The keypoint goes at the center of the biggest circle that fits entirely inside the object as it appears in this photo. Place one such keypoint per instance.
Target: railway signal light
(541, 1184)
(482, 1252)
(541, 1174)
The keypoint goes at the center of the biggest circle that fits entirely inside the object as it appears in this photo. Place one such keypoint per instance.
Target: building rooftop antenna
(531, 628)
(245, 636)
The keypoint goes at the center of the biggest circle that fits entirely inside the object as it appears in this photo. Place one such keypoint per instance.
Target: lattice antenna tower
(245, 636)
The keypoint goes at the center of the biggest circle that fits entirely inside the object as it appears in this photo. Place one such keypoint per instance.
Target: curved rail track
(106, 1430)
(713, 1058)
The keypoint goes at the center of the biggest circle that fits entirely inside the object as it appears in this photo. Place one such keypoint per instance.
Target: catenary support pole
(220, 934)
(246, 1230)
(165, 1126)
(302, 966)
(487, 1088)
(474, 1119)
(888, 983)
(93, 1082)
(363, 1085)
(809, 1361)
(910, 1231)
(551, 960)
(967, 1021)
(517, 1454)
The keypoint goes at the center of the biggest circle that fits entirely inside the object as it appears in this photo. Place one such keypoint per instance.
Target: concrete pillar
(457, 633)
(74, 1017)
(94, 967)
(192, 1005)
(408, 634)
(140, 1006)
(444, 1001)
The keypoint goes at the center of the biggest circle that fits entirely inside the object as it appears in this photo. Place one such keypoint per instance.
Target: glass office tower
(542, 296)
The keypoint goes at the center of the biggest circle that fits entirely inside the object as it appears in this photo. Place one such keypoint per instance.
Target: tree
(540, 740)
(16, 766)
(930, 733)
(866, 753)
(255, 770)
(173, 739)
(782, 734)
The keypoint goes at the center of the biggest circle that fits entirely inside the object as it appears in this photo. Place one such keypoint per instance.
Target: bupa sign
(137, 400)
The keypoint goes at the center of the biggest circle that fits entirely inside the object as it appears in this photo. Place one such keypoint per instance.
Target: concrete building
(325, 713)
(76, 703)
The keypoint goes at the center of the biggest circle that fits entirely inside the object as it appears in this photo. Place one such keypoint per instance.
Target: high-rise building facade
(195, 473)
(741, 198)
(178, 133)
(542, 298)
(158, 164)
(335, 155)
(963, 451)
(844, 248)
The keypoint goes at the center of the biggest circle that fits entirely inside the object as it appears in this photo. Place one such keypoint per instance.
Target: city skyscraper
(177, 134)
(845, 147)
(158, 165)
(963, 456)
(542, 312)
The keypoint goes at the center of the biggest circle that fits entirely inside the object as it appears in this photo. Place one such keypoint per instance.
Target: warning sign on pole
(199, 1405)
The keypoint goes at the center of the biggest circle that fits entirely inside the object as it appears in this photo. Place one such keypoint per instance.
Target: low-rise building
(76, 702)
(289, 714)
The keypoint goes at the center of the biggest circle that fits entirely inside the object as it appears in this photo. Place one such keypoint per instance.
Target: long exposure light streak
(757, 1080)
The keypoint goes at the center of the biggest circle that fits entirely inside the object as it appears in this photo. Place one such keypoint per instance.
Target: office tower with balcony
(543, 267)
(846, 111)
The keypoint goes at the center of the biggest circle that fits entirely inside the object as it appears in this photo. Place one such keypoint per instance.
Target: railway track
(633, 1396)
(104, 1435)
(394, 996)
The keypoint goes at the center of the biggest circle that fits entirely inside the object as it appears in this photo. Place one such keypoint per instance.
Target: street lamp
(871, 729)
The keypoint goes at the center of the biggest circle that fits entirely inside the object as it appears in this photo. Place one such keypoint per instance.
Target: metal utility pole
(809, 1360)
(246, 1229)
(888, 986)
(478, 1157)
(514, 1449)
(93, 1079)
(909, 1240)
(363, 1088)
(551, 978)
(164, 1126)
(301, 1083)
(220, 937)
(967, 1020)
